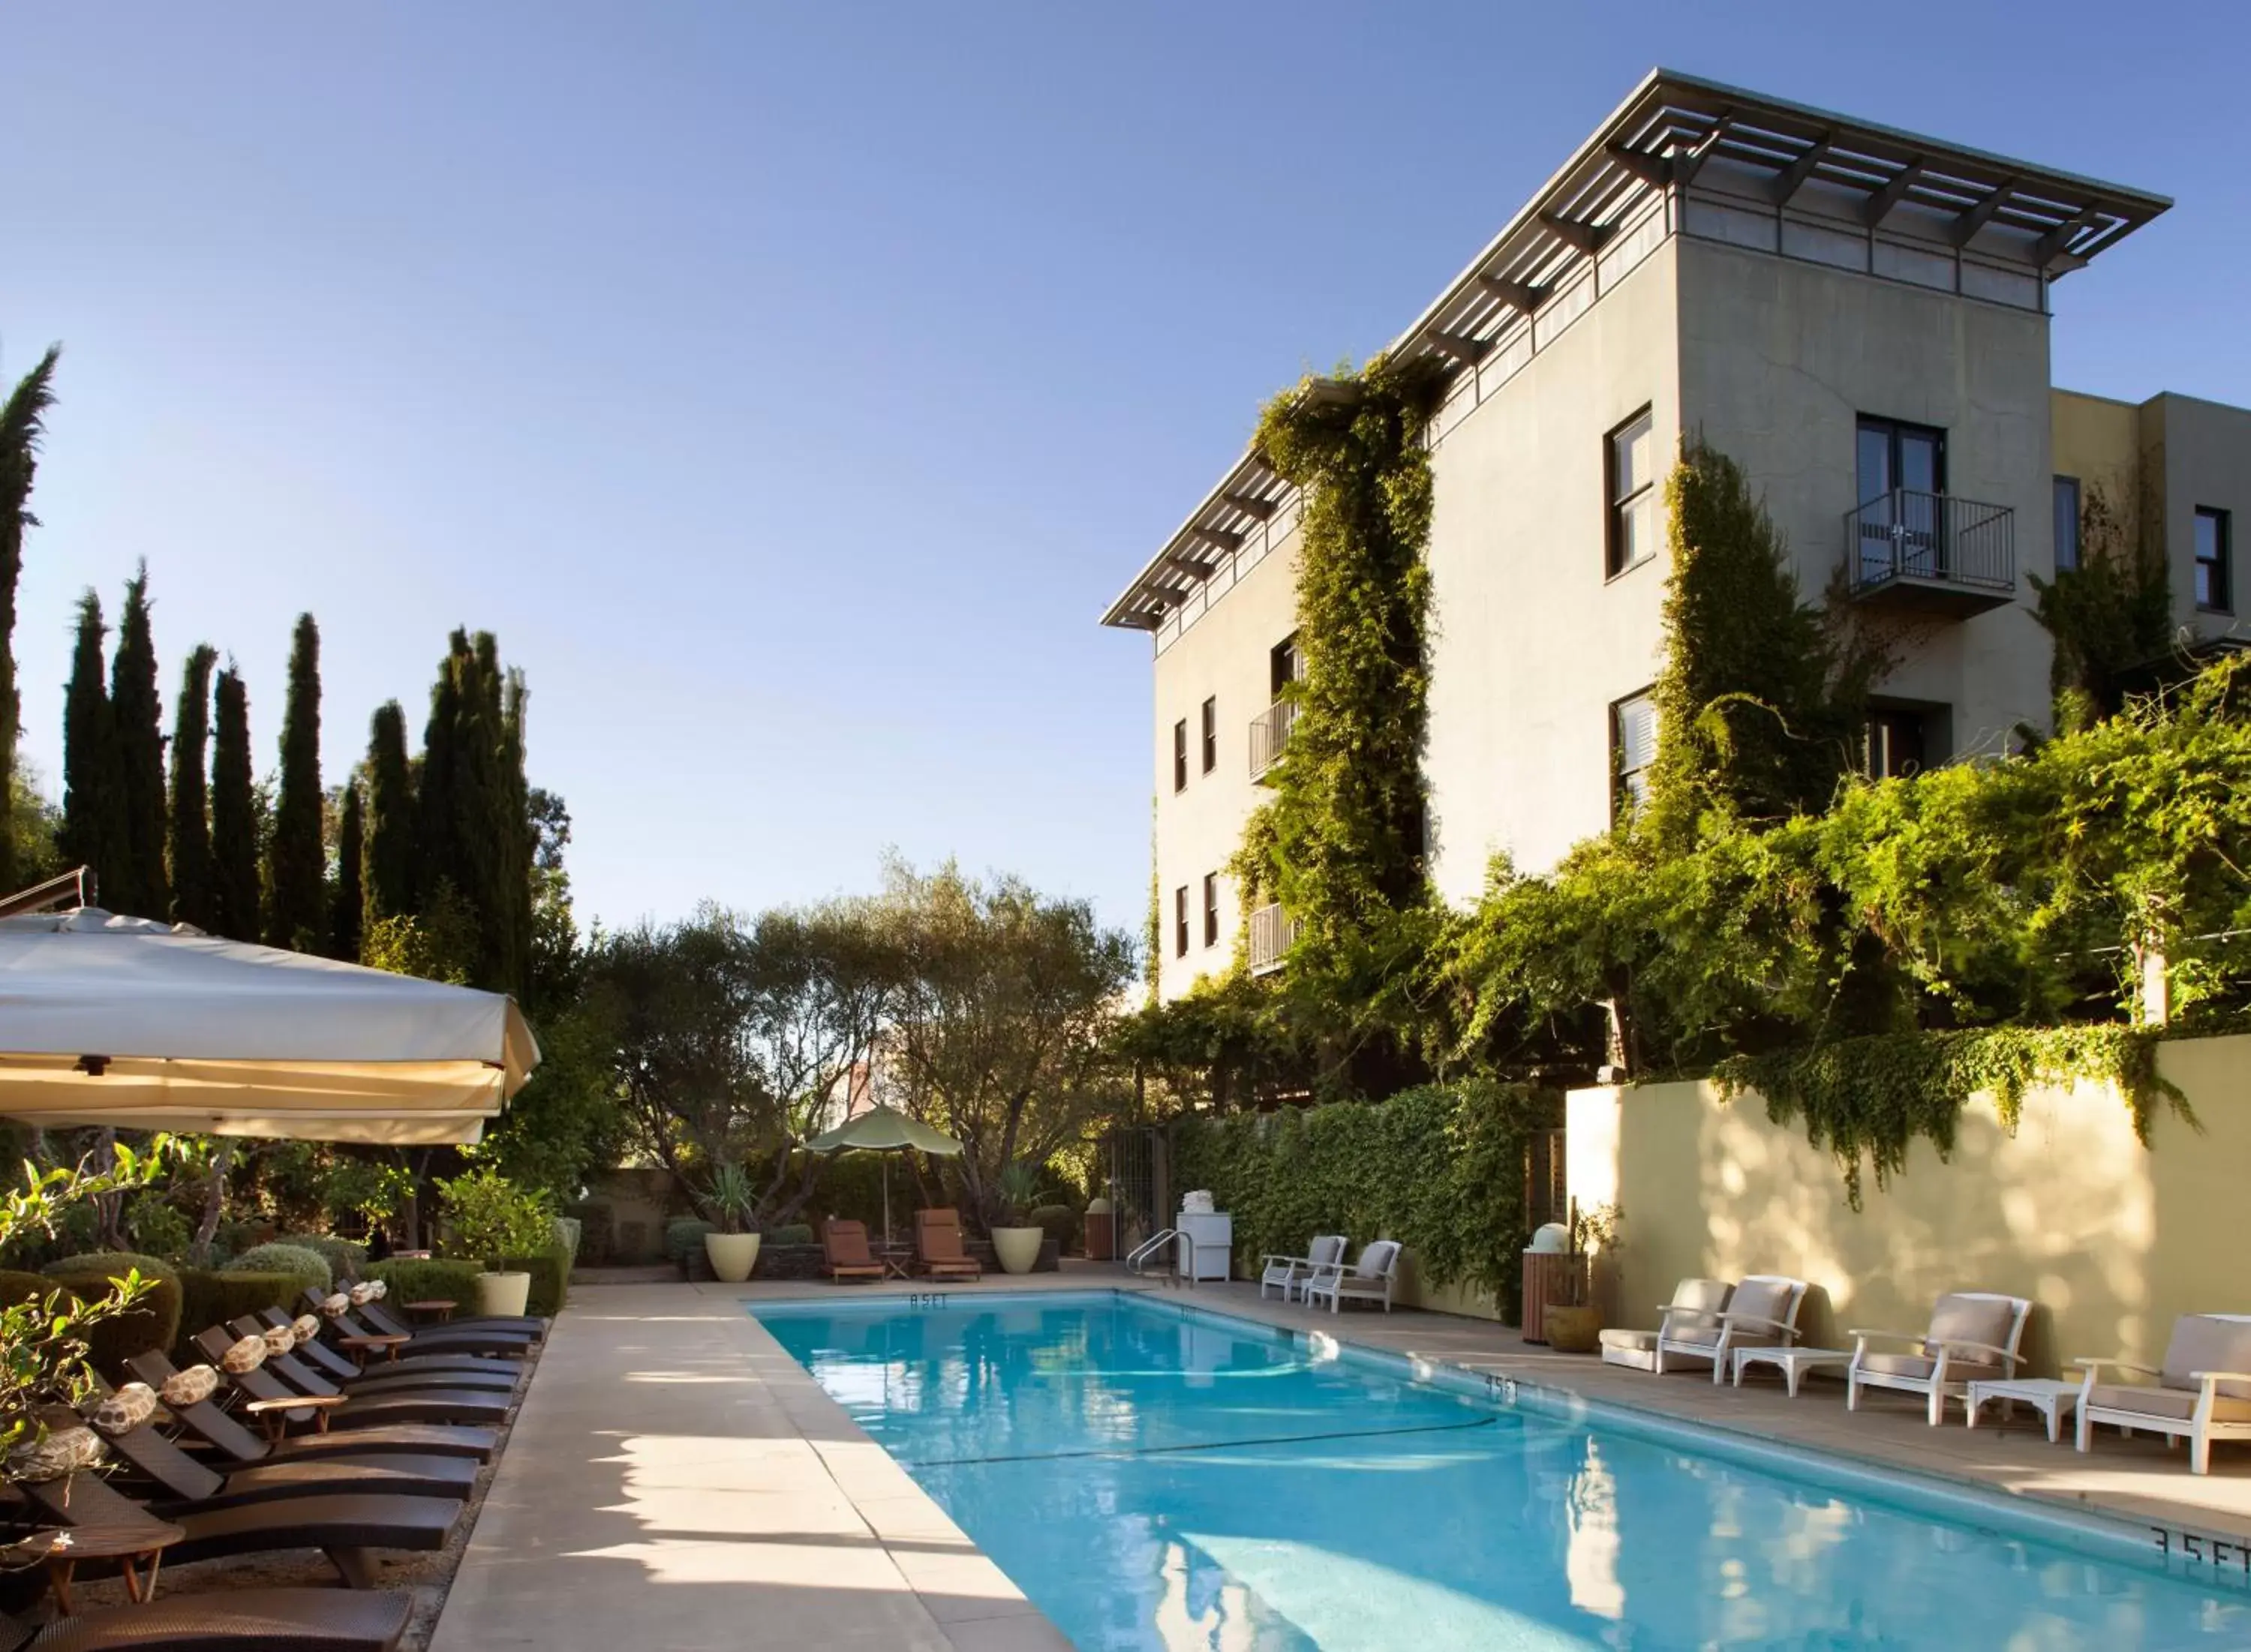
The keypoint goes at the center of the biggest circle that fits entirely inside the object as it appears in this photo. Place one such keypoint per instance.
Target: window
(1634, 748)
(2067, 522)
(1894, 744)
(1180, 922)
(2212, 583)
(1893, 455)
(1211, 909)
(1210, 734)
(1180, 755)
(1283, 665)
(1902, 475)
(1631, 472)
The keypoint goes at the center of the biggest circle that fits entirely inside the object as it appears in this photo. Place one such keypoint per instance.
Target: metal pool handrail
(1148, 1248)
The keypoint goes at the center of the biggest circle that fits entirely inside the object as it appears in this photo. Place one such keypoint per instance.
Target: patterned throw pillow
(280, 1341)
(378, 1288)
(308, 1328)
(126, 1410)
(245, 1356)
(362, 1295)
(337, 1304)
(189, 1388)
(64, 1451)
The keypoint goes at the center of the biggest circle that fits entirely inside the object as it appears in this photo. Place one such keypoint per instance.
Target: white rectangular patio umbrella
(109, 1021)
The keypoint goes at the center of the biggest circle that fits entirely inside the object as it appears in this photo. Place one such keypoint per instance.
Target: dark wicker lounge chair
(183, 1484)
(844, 1246)
(938, 1249)
(378, 1315)
(340, 1369)
(354, 1411)
(345, 1528)
(210, 1424)
(489, 1375)
(429, 1339)
(238, 1621)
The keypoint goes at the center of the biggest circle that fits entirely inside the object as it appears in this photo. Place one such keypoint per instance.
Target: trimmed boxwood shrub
(152, 1325)
(418, 1280)
(1060, 1222)
(684, 1237)
(210, 1298)
(345, 1259)
(790, 1233)
(550, 1278)
(281, 1258)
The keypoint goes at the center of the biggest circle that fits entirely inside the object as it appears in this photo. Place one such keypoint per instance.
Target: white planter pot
(503, 1295)
(732, 1256)
(1018, 1248)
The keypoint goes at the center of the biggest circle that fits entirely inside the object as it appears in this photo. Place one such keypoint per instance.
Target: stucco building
(1859, 316)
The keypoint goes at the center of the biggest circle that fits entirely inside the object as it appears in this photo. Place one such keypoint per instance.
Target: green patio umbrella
(884, 1130)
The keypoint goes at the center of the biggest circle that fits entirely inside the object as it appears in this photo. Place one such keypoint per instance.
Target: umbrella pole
(887, 1198)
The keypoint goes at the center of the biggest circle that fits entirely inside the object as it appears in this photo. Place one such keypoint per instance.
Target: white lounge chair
(1289, 1274)
(1973, 1338)
(1762, 1313)
(1369, 1279)
(2203, 1391)
(1695, 1301)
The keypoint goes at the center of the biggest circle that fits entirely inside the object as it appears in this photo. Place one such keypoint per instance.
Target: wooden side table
(437, 1307)
(360, 1347)
(274, 1413)
(131, 1545)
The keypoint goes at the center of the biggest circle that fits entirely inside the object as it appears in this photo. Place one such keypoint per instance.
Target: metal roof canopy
(1662, 137)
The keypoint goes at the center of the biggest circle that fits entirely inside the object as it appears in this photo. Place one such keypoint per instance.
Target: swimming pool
(1153, 1476)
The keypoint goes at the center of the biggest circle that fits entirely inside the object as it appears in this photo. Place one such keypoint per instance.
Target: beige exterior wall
(1225, 654)
(2202, 450)
(2113, 1241)
(1530, 642)
(1778, 361)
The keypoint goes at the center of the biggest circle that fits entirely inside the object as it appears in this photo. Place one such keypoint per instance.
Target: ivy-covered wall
(1441, 1169)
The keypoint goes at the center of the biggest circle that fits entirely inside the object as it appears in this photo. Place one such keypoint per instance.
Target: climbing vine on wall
(1440, 1169)
(1868, 1099)
(1340, 845)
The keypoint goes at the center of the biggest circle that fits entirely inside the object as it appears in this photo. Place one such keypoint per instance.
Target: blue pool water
(1155, 1477)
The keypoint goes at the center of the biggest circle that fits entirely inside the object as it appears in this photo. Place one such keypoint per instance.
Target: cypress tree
(519, 838)
(23, 422)
(137, 713)
(391, 868)
(436, 800)
(297, 862)
(347, 900)
(190, 843)
(234, 815)
(92, 831)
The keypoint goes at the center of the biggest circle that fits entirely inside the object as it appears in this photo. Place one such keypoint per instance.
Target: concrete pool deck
(675, 1480)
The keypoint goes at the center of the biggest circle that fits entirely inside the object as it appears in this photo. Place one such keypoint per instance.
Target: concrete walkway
(676, 1481)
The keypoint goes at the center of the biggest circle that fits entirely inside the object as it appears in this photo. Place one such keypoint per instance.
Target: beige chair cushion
(245, 1356)
(62, 1451)
(2178, 1404)
(126, 1410)
(1767, 1299)
(1639, 1341)
(307, 1328)
(189, 1388)
(1694, 1333)
(1920, 1368)
(1706, 1296)
(2208, 1342)
(1985, 1319)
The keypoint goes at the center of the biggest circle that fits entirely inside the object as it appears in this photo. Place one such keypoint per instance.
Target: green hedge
(346, 1260)
(276, 1257)
(684, 1237)
(1440, 1169)
(213, 1298)
(1060, 1222)
(550, 1278)
(152, 1325)
(790, 1233)
(417, 1280)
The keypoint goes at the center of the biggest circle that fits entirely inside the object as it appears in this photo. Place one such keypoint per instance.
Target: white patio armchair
(1289, 1274)
(2202, 1393)
(1696, 1302)
(1762, 1313)
(1973, 1338)
(1369, 1279)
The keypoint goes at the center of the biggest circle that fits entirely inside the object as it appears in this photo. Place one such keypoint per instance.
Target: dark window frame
(1896, 743)
(1615, 505)
(1283, 665)
(2068, 547)
(1625, 799)
(1211, 909)
(1180, 755)
(2217, 594)
(1892, 430)
(1180, 922)
(1210, 733)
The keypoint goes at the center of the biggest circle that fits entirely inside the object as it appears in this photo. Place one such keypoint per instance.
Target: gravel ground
(427, 1576)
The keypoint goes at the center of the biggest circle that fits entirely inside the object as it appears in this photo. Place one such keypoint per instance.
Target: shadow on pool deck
(676, 1481)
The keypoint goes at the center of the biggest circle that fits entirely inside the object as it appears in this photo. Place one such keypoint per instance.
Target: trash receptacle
(1101, 1231)
(1554, 1276)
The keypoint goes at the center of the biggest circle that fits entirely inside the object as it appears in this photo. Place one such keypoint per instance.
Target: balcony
(1270, 732)
(1273, 932)
(1931, 554)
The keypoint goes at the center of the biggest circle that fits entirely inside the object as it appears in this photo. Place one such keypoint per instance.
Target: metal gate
(1134, 1155)
(1546, 1192)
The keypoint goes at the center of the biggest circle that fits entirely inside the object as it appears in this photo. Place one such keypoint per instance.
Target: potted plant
(491, 1219)
(1015, 1241)
(732, 1202)
(1575, 1326)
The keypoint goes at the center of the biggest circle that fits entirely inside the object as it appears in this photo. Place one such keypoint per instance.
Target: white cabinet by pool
(1212, 1232)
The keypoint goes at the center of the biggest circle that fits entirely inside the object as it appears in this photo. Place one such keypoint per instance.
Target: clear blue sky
(791, 388)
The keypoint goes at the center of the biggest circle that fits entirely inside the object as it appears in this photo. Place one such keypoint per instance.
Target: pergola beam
(1979, 215)
(1194, 567)
(2058, 240)
(1577, 234)
(1219, 537)
(1802, 169)
(1468, 351)
(1879, 205)
(1263, 509)
(1521, 296)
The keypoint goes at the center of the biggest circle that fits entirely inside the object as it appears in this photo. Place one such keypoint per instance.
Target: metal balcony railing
(1933, 543)
(1270, 732)
(1273, 932)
